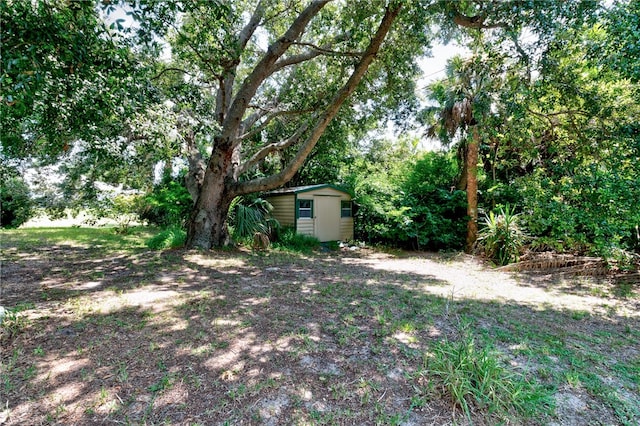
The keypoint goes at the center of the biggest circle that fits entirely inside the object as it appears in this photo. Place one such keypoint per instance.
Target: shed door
(327, 218)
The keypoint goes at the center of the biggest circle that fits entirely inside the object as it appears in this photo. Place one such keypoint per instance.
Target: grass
(105, 239)
(236, 337)
(474, 377)
(289, 241)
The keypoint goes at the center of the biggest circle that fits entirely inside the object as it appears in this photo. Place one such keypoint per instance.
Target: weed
(473, 377)
(29, 372)
(14, 321)
(169, 238)
(623, 289)
(289, 240)
(121, 372)
(339, 391)
(238, 392)
(579, 315)
(165, 382)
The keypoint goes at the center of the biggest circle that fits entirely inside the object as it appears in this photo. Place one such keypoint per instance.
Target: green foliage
(169, 204)
(564, 146)
(407, 200)
(589, 210)
(173, 237)
(501, 238)
(65, 76)
(437, 210)
(473, 377)
(620, 49)
(16, 205)
(247, 218)
(289, 240)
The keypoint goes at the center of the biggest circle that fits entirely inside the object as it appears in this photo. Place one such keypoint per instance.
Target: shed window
(345, 209)
(305, 208)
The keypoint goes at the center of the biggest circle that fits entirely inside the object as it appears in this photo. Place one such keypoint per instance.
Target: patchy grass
(101, 329)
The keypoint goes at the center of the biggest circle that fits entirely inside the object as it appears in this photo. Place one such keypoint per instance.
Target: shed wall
(346, 228)
(284, 209)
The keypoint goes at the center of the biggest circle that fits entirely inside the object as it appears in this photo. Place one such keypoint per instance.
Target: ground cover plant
(101, 329)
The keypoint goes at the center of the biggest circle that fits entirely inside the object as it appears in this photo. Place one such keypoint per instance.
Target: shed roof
(306, 188)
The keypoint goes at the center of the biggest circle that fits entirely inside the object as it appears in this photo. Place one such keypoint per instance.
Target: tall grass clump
(474, 379)
(501, 239)
(172, 237)
(289, 240)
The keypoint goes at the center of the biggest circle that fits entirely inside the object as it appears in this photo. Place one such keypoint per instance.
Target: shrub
(413, 206)
(501, 239)
(169, 204)
(249, 217)
(173, 237)
(587, 210)
(16, 205)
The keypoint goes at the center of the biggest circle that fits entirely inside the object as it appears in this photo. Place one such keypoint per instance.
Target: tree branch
(170, 69)
(314, 52)
(474, 22)
(325, 50)
(270, 115)
(272, 147)
(548, 115)
(273, 181)
(261, 71)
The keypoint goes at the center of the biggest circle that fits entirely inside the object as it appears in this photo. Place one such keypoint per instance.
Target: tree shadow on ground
(187, 337)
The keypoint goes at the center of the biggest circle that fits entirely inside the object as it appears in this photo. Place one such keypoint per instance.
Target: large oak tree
(240, 116)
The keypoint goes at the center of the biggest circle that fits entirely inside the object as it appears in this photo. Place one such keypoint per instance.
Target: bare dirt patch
(185, 338)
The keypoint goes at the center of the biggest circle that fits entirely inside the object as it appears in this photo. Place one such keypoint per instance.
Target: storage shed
(322, 211)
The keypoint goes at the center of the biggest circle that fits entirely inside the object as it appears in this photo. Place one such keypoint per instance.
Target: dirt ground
(186, 337)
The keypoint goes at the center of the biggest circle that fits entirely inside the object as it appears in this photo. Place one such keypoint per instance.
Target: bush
(585, 211)
(413, 206)
(249, 217)
(173, 237)
(169, 204)
(16, 205)
(501, 239)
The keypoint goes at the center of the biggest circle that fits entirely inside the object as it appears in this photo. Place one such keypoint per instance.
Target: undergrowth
(289, 240)
(173, 237)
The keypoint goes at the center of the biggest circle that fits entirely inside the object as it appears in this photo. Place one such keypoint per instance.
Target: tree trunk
(471, 161)
(461, 185)
(207, 226)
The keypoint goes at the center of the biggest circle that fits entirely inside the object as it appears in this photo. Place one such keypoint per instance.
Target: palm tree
(460, 103)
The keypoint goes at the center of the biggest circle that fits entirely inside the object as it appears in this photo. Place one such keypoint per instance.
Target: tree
(463, 102)
(562, 133)
(493, 31)
(16, 205)
(580, 186)
(257, 95)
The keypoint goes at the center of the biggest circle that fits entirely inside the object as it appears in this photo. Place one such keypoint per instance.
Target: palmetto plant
(501, 238)
(251, 217)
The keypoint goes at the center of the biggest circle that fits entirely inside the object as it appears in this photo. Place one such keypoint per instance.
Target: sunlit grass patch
(103, 238)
